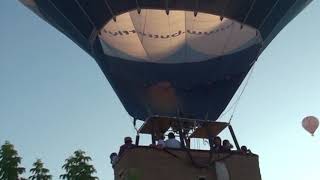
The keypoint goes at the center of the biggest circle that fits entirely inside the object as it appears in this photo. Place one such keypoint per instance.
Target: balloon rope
(269, 13)
(67, 19)
(235, 104)
(85, 13)
(134, 125)
(224, 9)
(248, 13)
(138, 7)
(110, 10)
(244, 88)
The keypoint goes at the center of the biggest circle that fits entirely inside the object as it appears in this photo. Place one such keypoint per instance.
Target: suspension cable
(134, 125)
(236, 102)
(226, 4)
(110, 10)
(138, 7)
(248, 13)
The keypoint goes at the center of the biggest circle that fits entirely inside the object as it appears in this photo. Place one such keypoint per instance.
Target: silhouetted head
(112, 155)
(217, 141)
(226, 143)
(171, 135)
(127, 140)
(244, 148)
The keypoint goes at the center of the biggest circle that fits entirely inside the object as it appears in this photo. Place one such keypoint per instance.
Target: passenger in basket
(245, 151)
(127, 145)
(161, 144)
(226, 146)
(113, 158)
(217, 144)
(171, 142)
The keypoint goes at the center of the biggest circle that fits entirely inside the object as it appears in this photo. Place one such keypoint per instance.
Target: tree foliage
(77, 167)
(9, 163)
(39, 172)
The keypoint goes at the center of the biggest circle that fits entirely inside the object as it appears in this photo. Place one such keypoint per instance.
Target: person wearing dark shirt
(217, 144)
(113, 158)
(245, 151)
(127, 145)
(226, 146)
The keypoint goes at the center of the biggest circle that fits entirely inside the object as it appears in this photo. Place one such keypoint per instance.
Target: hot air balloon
(310, 124)
(174, 64)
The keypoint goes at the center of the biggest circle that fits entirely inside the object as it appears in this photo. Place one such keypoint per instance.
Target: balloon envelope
(310, 124)
(171, 58)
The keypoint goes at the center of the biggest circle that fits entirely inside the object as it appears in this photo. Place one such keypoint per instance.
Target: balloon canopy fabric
(310, 124)
(171, 57)
(177, 37)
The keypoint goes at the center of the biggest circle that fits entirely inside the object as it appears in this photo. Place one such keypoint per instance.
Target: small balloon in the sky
(310, 124)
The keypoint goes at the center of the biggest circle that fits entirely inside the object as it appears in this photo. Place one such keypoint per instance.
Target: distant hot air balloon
(310, 124)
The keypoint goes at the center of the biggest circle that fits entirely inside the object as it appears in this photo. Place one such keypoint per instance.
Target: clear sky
(54, 99)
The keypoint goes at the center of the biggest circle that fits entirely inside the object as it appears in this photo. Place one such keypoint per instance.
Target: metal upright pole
(137, 139)
(187, 142)
(181, 134)
(181, 138)
(234, 137)
(210, 138)
(153, 138)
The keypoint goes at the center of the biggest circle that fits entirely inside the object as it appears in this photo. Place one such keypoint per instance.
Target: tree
(9, 163)
(39, 171)
(78, 168)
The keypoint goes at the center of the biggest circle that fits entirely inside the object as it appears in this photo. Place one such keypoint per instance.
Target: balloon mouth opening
(176, 38)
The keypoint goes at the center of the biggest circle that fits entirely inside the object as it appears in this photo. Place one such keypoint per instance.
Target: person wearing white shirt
(172, 142)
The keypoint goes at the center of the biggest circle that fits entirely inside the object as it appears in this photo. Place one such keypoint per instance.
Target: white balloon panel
(179, 37)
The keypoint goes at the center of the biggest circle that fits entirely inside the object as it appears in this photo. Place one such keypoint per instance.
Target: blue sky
(54, 99)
